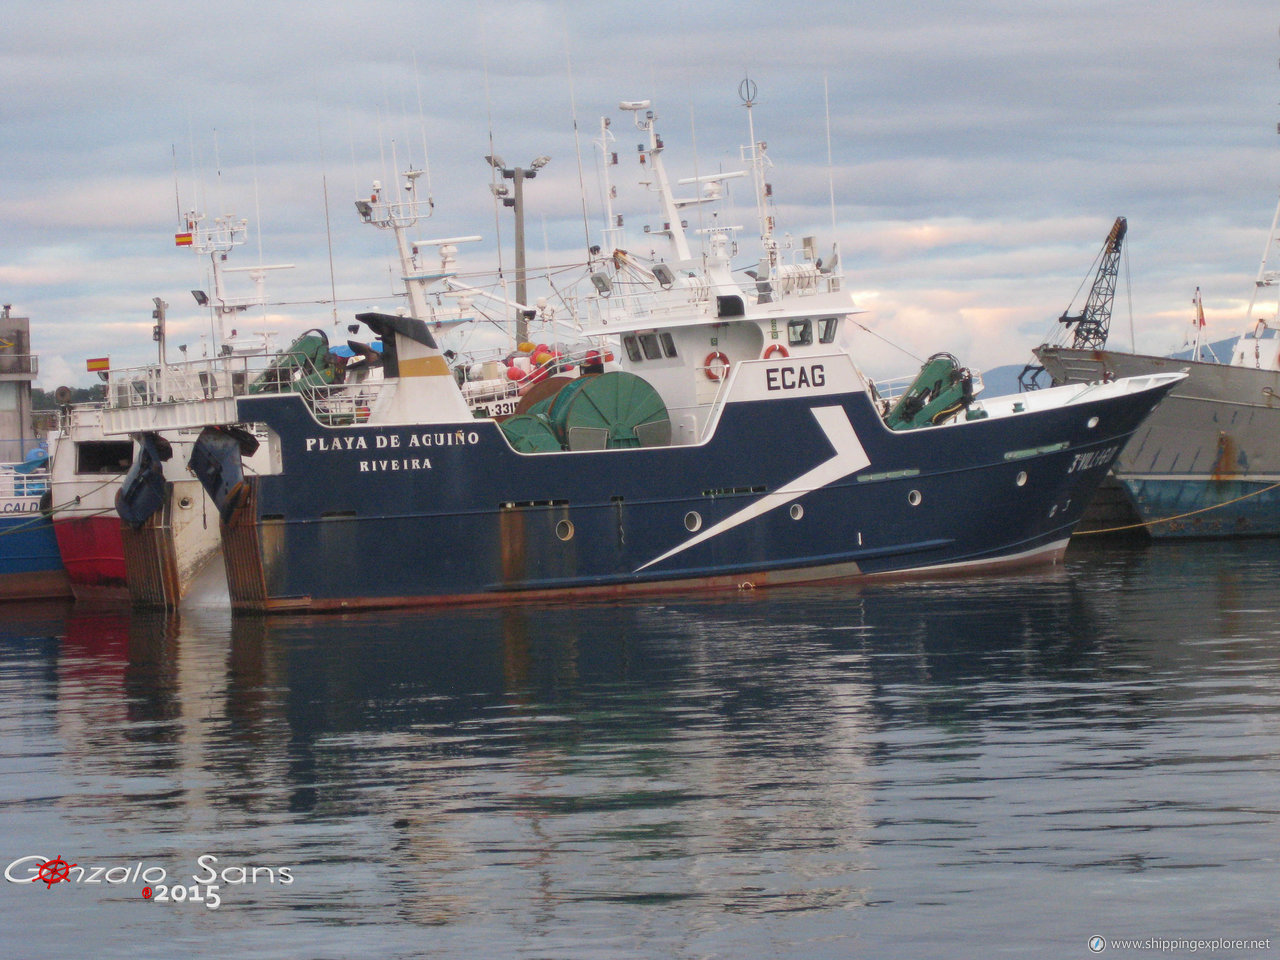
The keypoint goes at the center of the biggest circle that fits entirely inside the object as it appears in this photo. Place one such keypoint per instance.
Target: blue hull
(1208, 508)
(30, 564)
(420, 514)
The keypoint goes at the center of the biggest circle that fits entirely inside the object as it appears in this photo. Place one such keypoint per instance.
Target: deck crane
(1092, 323)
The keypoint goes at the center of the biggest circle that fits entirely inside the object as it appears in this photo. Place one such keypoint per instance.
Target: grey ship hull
(1206, 463)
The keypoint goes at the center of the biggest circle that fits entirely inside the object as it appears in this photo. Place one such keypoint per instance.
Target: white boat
(151, 558)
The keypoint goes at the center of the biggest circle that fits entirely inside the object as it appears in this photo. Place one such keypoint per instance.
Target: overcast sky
(981, 151)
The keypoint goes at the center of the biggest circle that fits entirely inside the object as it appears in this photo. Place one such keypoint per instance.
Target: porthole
(1021, 479)
(692, 521)
(797, 511)
(1092, 422)
(564, 529)
(914, 498)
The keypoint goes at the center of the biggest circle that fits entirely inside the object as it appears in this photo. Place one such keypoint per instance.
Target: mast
(756, 158)
(216, 240)
(715, 265)
(612, 223)
(1266, 278)
(672, 225)
(398, 214)
(1198, 353)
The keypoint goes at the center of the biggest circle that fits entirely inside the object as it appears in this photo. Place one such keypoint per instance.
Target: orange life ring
(773, 348)
(715, 356)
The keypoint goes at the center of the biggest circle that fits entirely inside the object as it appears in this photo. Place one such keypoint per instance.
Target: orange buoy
(773, 349)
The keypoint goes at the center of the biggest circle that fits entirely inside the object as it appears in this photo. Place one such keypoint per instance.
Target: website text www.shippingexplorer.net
(1101, 944)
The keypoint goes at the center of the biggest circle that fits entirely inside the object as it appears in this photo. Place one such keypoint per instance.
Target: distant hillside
(44, 399)
(1221, 349)
(1004, 380)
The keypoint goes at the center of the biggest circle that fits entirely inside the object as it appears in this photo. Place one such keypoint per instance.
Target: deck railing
(21, 365)
(191, 380)
(192, 384)
(14, 483)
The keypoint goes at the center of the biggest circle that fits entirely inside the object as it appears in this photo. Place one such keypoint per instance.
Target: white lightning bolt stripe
(850, 458)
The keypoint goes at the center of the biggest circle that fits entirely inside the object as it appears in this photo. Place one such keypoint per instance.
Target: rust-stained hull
(787, 491)
(168, 551)
(41, 585)
(1050, 555)
(1206, 463)
(151, 561)
(30, 567)
(242, 554)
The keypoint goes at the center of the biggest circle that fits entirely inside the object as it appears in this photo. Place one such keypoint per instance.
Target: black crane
(1092, 323)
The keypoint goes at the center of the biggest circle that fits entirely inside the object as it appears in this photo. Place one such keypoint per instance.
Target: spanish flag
(98, 363)
(182, 239)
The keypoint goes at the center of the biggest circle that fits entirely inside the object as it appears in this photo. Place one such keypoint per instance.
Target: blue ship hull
(385, 515)
(1207, 507)
(716, 434)
(30, 564)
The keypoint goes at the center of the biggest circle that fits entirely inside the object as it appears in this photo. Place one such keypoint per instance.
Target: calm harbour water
(998, 767)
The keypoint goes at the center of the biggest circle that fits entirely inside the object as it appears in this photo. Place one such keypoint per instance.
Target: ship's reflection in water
(928, 769)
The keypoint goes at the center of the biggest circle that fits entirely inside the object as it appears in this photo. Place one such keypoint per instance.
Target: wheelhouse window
(649, 346)
(827, 328)
(104, 456)
(800, 333)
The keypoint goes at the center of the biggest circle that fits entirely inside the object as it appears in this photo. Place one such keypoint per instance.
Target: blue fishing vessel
(733, 443)
(30, 564)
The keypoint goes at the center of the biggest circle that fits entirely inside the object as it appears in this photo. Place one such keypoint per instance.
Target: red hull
(92, 551)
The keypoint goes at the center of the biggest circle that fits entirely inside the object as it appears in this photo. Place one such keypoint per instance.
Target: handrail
(15, 484)
(19, 363)
(209, 378)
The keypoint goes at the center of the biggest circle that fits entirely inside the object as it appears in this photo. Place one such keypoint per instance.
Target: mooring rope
(61, 508)
(1180, 516)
